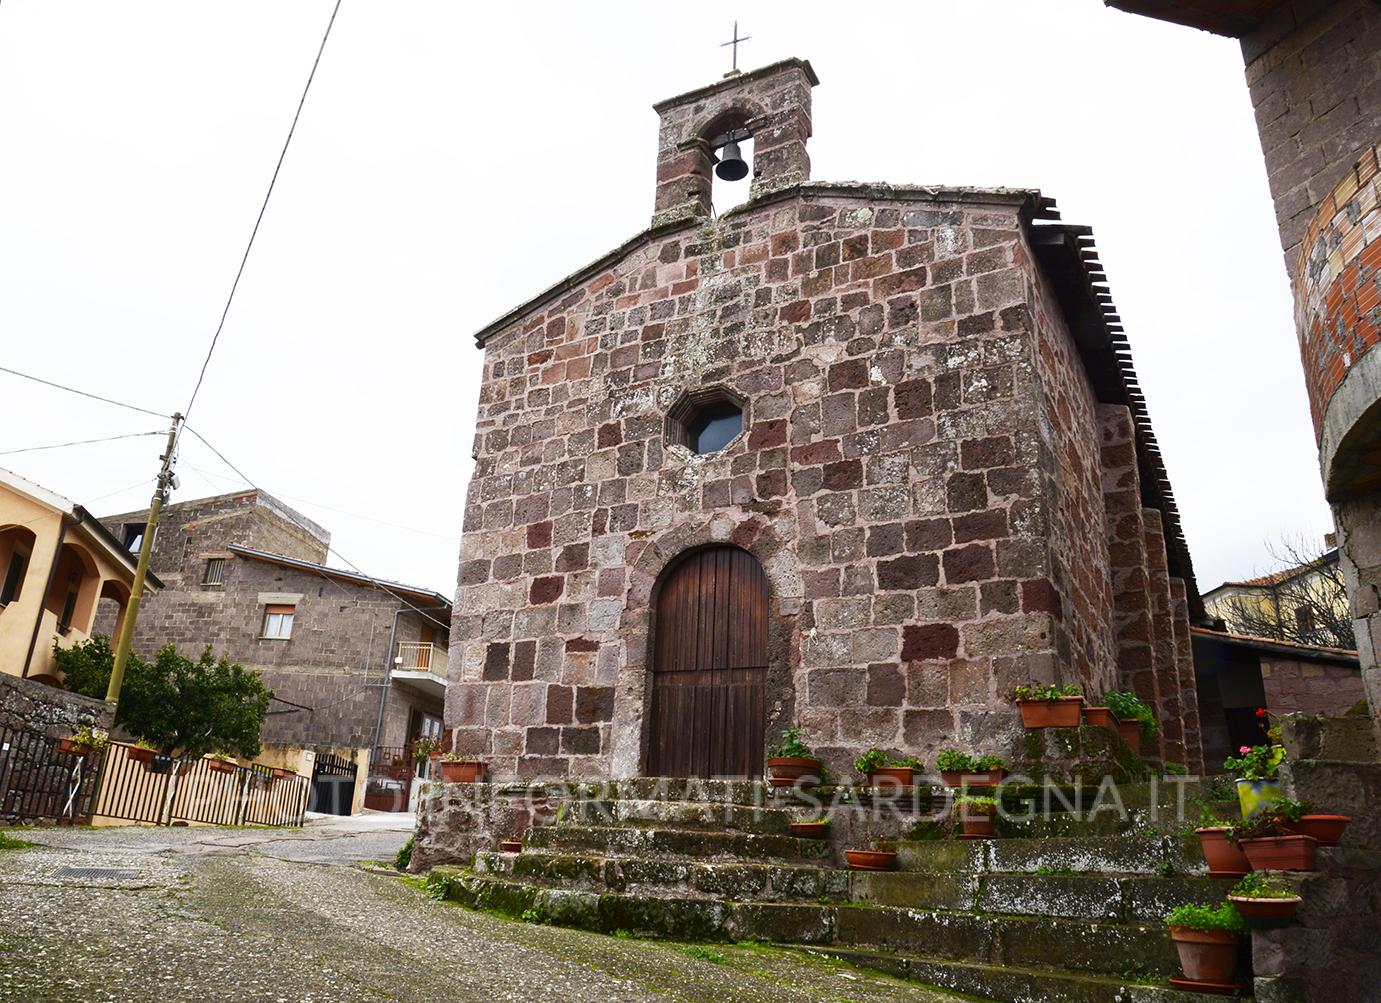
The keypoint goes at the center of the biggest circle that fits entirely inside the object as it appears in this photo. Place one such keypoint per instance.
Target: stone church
(856, 457)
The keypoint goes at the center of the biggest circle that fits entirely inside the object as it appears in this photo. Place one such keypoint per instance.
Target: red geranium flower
(1261, 712)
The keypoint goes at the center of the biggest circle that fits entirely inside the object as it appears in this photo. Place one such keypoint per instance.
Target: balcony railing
(421, 657)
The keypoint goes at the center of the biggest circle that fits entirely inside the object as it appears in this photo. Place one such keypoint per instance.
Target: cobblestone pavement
(284, 916)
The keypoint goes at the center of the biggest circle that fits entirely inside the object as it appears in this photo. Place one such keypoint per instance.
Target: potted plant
(1297, 818)
(221, 761)
(1258, 777)
(1207, 940)
(1264, 900)
(1136, 722)
(960, 770)
(84, 741)
(976, 814)
(883, 771)
(1225, 858)
(282, 773)
(511, 846)
(1269, 848)
(1100, 717)
(456, 769)
(817, 828)
(1050, 706)
(140, 752)
(790, 762)
(426, 748)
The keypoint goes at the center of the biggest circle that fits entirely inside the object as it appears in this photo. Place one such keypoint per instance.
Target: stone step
(697, 815)
(613, 841)
(1014, 984)
(732, 880)
(1073, 896)
(742, 792)
(1122, 854)
(1024, 941)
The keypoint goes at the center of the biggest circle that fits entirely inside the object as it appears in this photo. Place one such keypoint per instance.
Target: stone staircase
(1063, 909)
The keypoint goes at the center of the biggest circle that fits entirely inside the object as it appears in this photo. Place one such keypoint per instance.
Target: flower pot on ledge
(1327, 829)
(1281, 853)
(1100, 717)
(810, 830)
(789, 771)
(463, 771)
(1208, 957)
(138, 754)
(221, 766)
(1130, 733)
(981, 778)
(1265, 913)
(1224, 859)
(67, 747)
(885, 777)
(871, 860)
(1061, 712)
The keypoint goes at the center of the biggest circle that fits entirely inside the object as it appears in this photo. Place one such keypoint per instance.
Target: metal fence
(161, 791)
(38, 782)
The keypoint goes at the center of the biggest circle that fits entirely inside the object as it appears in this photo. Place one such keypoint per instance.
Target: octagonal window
(705, 421)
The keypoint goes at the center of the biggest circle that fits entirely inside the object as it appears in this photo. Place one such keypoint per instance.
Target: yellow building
(58, 564)
(1305, 604)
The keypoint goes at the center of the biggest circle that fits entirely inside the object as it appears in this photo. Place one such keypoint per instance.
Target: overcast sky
(455, 158)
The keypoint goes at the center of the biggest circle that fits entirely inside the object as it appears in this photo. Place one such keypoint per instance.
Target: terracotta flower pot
(977, 823)
(1130, 733)
(810, 830)
(1327, 829)
(281, 774)
(788, 771)
(221, 766)
(1100, 717)
(871, 860)
(891, 776)
(1262, 913)
(1224, 859)
(70, 748)
(464, 771)
(511, 846)
(1206, 955)
(1062, 712)
(138, 754)
(1281, 853)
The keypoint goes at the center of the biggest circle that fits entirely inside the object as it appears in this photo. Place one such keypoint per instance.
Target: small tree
(174, 703)
(1308, 605)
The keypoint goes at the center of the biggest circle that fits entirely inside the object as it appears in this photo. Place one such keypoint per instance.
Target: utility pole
(166, 481)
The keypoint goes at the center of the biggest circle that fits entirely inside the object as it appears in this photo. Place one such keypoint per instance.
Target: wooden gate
(709, 667)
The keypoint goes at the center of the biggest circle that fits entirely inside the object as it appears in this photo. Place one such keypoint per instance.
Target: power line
(81, 393)
(77, 442)
(255, 232)
(345, 560)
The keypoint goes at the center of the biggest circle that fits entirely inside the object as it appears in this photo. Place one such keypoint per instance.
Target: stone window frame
(689, 403)
(219, 561)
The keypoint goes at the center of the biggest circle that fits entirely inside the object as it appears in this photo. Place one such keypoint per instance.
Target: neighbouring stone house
(357, 664)
(860, 457)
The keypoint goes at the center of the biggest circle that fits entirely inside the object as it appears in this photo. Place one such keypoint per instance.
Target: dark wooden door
(709, 667)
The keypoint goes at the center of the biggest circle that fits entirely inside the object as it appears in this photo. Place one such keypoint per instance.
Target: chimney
(771, 104)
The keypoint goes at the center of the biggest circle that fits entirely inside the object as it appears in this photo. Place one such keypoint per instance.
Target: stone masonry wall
(918, 475)
(1127, 553)
(1310, 688)
(1315, 80)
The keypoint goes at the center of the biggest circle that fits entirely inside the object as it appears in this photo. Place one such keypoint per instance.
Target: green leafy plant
(403, 857)
(1261, 885)
(1263, 825)
(870, 761)
(1048, 691)
(705, 954)
(1127, 706)
(981, 805)
(1176, 770)
(174, 703)
(911, 762)
(1205, 919)
(140, 743)
(456, 757)
(95, 739)
(791, 745)
(1256, 762)
(954, 761)
(531, 916)
(422, 748)
(991, 761)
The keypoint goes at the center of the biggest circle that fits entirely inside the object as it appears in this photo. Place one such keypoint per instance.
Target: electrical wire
(262, 208)
(78, 442)
(81, 393)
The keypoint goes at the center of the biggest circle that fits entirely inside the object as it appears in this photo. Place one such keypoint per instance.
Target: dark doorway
(709, 667)
(333, 785)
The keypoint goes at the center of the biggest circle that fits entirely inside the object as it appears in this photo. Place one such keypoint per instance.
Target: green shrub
(991, 761)
(1176, 770)
(1130, 707)
(1048, 691)
(1206, 919)
(953, 761)
(976, 801)
(1260, 885)
(791, 745)
(870, 761)
(404, 856)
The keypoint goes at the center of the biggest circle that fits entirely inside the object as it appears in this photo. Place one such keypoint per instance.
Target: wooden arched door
(709, 667)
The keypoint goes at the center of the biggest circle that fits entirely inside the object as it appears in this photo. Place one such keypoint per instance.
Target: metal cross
(734, 42)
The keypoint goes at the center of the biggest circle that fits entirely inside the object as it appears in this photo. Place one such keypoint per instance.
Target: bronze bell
(731, 166)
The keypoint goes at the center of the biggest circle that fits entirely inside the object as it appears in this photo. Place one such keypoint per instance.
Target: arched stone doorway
(708, 706)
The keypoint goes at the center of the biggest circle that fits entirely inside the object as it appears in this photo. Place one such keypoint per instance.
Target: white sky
(455, 158)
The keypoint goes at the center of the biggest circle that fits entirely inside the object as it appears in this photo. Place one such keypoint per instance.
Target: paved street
(288, 916)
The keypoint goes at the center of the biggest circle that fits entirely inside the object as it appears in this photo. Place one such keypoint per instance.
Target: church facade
(860, 458)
